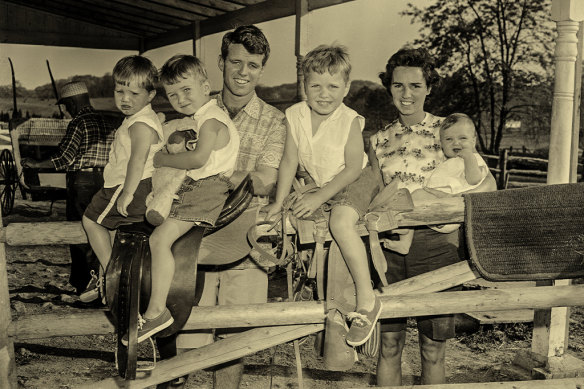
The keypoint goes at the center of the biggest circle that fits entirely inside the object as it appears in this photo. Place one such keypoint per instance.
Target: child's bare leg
(402, 245)
(100, 240)
(342, 225)
(161, 242)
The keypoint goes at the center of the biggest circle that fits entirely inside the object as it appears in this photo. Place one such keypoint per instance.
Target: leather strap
(379, 262)
(318, 257)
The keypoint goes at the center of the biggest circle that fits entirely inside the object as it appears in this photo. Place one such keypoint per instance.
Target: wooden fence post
(300, 45)
(7, 362)
(550, 331)
(503, 159)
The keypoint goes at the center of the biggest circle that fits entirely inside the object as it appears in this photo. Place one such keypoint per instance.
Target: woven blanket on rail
(527, 234)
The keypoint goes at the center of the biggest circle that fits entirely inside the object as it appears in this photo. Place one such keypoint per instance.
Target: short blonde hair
(138, 69)
(180, 66)
(328, 58)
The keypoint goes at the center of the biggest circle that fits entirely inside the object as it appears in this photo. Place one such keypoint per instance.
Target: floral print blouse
(409, 153)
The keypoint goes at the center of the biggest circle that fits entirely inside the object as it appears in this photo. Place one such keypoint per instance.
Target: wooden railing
(508, 176)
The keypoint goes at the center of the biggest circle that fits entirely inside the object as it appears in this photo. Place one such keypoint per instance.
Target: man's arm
(265, 174)
(68, 150)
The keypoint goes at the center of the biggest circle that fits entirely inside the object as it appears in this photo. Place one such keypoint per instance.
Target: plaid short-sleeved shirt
(262, 132)
(86, 143)
(409, 153)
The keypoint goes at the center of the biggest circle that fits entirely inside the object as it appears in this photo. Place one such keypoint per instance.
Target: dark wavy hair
(417, 58)
(251, 37)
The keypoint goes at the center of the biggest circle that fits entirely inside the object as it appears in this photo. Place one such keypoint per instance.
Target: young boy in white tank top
(324, 137)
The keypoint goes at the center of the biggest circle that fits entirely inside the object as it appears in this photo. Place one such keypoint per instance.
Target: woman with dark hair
(408, 150)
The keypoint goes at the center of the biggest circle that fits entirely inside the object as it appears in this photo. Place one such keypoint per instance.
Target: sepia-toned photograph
(292, 194)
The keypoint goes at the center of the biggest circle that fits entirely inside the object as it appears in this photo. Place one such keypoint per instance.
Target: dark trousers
(81, 186)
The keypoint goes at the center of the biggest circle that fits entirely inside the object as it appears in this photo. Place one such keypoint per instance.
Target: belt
(91, 169)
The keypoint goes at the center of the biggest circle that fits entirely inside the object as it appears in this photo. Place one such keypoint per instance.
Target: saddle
(128, 278)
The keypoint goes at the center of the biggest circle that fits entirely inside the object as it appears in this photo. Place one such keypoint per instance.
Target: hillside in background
(368, 98)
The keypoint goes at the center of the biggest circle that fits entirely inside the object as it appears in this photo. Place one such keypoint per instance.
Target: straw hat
(72, 89)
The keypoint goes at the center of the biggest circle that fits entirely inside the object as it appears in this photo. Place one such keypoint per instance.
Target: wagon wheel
(9, 180)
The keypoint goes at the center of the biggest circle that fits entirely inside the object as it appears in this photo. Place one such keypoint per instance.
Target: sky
(370, 29)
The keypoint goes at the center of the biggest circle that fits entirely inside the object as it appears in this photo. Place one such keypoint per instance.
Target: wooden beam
(193, 10)
(551, 327)
(308, 312)
(119, 13)
(78, 14)
(576, 108)
(8, 378)
(439, 211)
(224, 350)
(434, 281)
(251, 14)
(301, 45)
(564, 383)
(24, 25)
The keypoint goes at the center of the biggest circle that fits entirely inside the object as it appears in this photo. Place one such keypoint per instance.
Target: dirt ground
(38, 277)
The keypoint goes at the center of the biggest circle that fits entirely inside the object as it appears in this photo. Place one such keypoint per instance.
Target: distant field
(46, 108)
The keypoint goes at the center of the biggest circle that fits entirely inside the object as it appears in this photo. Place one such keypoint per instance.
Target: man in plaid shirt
(262, 131)
(82, 153)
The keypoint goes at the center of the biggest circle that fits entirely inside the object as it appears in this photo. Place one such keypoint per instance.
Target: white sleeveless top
(114, 172)
(322, 155)
(220, 161)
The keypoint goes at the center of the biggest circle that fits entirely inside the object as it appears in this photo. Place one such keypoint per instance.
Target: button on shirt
(86, 142)
(409, 153)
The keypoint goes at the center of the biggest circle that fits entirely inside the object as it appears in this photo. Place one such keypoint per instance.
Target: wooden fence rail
(504, 174)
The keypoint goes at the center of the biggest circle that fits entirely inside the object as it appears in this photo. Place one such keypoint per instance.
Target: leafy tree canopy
(490, 53)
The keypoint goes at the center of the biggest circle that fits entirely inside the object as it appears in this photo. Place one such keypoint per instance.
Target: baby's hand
(465, 153)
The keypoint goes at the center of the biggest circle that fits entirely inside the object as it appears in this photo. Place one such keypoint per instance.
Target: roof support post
(551, 326)
(300, 45)
(197, 39)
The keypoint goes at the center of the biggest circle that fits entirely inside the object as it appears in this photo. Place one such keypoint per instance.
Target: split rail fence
(274, 323)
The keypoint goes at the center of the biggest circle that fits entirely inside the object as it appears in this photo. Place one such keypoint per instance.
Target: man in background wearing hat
(82, 153)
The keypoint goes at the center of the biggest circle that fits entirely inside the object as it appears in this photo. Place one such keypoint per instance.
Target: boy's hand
(305, 205)
(272, 210)
(122, 204)
(158, 157)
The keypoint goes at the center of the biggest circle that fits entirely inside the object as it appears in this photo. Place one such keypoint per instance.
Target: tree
(495, 48)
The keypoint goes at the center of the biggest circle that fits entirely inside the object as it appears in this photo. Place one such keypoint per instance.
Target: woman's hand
(438, 193)
(306, 204)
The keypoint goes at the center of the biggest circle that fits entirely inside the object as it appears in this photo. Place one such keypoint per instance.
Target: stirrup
(142, 366)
